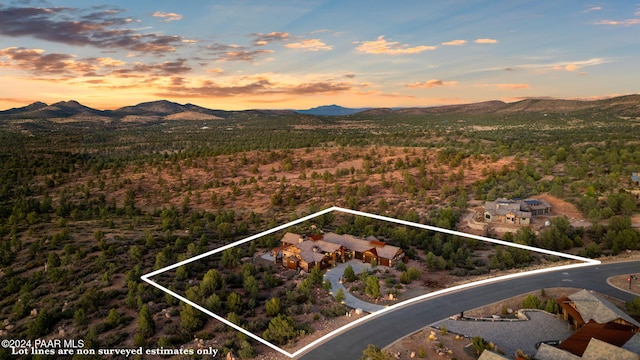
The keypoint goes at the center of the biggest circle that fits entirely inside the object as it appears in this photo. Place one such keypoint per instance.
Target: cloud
(166, 68)
(234, 52)
(35, 61)
(244, 55)
(255, 86)
(627, 22)
(485, 41)
(382, 46)
(431, 84)
(555, 66)
(104, 29)
(166, 17)
(571, 67)
(56, 66)
(454, 42)
(506, 86)
(576, 65)
(594, 8)
(260, 39)
(310, 45)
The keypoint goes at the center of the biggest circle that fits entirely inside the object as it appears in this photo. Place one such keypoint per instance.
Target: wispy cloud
(431, 84)
(573, 66)
(260, 39)
(166, 17)
(166, 68)
(382, 46)
(310, 45)
(454, 42)
(255, 86)
(104, 29)
(506, 86)
(627, 22)
(570, 66)
(243, 55)
(485, 41)
(593, 8)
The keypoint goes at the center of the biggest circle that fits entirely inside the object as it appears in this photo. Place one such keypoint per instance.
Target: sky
(294, 54)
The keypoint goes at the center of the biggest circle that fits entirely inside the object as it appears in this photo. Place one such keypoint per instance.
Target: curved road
(390, 326)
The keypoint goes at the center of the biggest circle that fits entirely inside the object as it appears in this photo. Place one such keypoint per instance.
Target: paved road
(384, 329)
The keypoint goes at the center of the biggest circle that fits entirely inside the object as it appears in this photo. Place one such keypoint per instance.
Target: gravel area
(510, 336)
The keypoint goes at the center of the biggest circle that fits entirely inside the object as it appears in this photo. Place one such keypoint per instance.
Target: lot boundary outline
(147, 277)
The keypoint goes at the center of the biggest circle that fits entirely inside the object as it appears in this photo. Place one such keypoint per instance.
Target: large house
(325, 250)
(602, 331)
(515, 211)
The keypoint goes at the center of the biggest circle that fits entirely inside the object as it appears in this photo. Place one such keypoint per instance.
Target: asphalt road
(388, 327)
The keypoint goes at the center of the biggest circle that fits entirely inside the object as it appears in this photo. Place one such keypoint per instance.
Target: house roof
(332, 242)
(518, 206)
(348, 241)
(291, 238)
(362, 245)
(388, 251)
(595, 350)
(633, 344)
(593, 307)
(548, 352)
(598, 349)
(320, 246)
(611, 333)
(501, 211)
(311, 256)
(565, 304)
(490, 355)
(536, 204)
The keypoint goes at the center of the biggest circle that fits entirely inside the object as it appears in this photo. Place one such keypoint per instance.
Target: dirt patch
(561, 207)
(430, 344)
(624, 282)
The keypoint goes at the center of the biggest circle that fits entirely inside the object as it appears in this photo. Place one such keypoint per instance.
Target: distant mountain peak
(31, 107)
(331, 110)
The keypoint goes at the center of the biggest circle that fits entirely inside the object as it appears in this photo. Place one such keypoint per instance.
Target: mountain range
(69, 111)
(331, 110)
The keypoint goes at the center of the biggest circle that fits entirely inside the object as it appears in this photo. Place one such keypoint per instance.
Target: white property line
(146, 277)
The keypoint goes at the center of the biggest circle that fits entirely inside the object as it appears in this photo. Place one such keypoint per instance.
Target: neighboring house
(595, 350)
(515, 211)
(306, 252)
(603, 331)
(635, 186)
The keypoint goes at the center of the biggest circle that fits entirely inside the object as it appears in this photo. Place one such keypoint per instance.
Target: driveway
(335, 274)
(513, 335)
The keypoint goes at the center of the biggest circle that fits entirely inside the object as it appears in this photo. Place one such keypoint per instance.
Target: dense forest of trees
(85, 211)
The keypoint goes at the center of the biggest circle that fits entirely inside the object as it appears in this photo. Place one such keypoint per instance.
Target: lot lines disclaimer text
(20, 347)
